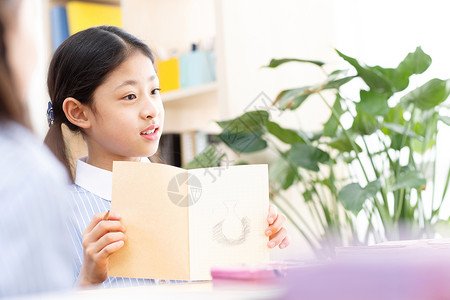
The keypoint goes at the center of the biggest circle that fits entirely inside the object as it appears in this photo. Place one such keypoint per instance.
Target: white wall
(38, 96)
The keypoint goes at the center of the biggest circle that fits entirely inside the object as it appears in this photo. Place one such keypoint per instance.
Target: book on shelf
(59, 26)
(82, 15)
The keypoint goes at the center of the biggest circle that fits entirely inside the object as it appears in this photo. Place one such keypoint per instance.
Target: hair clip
(50, 116)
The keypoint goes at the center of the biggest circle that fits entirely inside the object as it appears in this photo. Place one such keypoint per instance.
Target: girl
(102, 83)
(36, 254)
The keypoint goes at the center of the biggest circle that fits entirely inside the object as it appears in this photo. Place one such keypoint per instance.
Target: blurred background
(211, 53)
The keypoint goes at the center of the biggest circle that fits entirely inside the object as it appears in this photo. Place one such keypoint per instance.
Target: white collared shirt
(91, 194)
(95, 180)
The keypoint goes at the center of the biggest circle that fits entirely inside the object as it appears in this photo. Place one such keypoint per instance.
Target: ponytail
(55, 141)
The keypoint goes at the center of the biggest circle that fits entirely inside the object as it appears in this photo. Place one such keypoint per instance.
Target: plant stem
(352, 143)
(295, 211)
(386, 150)
(382, 209)
(434, 182)
(397, 213)
(400, 205)
(444, 193)
(318, 218)
(377, 174)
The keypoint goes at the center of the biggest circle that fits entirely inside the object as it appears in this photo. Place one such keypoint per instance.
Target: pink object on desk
(271, 271)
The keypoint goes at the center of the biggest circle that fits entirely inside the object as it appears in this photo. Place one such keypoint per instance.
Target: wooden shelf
(188, 92)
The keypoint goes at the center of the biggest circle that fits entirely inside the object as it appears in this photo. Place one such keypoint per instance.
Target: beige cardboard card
(181, 222)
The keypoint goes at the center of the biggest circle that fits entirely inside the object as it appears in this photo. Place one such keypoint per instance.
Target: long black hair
(81, 64)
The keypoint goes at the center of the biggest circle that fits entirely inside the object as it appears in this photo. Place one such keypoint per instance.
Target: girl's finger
(102, 228)
(107, 239)
(284, 243)
(99, 217)
(276, 238)
(109, 249)
(272, 214)
(276, 226)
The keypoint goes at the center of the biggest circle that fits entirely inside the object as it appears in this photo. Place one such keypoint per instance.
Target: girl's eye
(155, 91)
(130, 97)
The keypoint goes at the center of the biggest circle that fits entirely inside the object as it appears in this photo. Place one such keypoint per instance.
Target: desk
(203, 290)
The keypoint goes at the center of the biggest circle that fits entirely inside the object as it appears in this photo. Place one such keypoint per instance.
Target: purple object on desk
(387, 278)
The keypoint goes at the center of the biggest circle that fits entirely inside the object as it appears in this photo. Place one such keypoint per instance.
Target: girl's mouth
(150, 134)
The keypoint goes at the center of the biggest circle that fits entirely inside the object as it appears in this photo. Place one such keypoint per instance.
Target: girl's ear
(76, 112)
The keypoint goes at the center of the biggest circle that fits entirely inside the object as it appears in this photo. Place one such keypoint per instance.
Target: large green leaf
(373, 103)
(287, 136)
(210, 157)
(429, 95)
(409, 180)
(372, 76)
(335, 84)
(292, 99)
(342, 144)
(388, 80)
(243, 142)
(353, 196)
(426, 127)
(365, 123)
(282, 173)
(394, 116)
(249, 122)
(336, 79)
(306, 156)
(415, 62)
(330, 127)
(277, 62)
(397, 128)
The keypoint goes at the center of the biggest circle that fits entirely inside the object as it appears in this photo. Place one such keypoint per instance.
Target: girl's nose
(151, 108)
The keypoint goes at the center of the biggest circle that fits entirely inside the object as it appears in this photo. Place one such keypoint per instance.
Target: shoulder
(27, 158)
(34, 179)
(34, 189)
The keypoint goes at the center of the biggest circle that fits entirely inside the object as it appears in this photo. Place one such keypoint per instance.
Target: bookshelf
(189, 92)
(176, 24)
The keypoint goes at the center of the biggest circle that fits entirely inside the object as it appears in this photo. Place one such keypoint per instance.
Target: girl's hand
(101, 238)
(276, 232)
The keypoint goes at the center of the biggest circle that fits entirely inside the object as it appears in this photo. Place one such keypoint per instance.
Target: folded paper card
(180, 223)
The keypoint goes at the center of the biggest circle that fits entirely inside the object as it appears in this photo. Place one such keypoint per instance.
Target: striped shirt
(91, 194)
(36, 253)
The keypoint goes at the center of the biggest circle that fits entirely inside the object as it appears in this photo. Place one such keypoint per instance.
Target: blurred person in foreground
(35, 251)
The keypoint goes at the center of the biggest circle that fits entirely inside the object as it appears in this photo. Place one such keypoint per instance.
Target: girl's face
(127, 114)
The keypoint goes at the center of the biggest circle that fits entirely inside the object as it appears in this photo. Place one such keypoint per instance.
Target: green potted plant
(389, 150)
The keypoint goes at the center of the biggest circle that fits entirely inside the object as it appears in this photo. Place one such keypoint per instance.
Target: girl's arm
(277, 234)
(102, 237)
